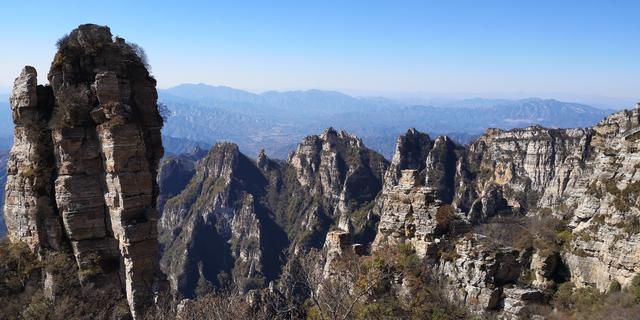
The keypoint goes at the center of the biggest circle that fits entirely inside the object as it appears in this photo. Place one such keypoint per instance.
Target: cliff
(81, 172)
(560, 205)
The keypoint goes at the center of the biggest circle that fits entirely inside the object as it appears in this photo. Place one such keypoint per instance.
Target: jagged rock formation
(436, 196)
(413, 213)
(586, 176)
(337, 168)
(247, 213)
(522, 167)
(214, 227)
(341, 175)
(481, 276)
(412, 150)
(587, 179)
(29, 203)
(338, 243)
(434, 160)
(83, 165)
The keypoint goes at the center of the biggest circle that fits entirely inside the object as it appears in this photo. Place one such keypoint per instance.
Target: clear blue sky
(484, 47)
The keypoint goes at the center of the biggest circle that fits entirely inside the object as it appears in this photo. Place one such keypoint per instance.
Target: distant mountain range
(202, 115)
(275, 120)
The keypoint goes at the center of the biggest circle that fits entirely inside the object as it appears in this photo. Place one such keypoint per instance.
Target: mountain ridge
(275, 120)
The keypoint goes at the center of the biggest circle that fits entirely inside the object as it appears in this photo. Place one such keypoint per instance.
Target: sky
(576, 50)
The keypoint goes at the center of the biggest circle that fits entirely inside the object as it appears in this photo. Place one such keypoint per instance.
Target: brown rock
(105, 140)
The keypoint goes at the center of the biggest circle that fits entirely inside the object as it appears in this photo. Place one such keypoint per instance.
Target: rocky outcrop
(83, 165)
(337, 168)
(586, 179)
(248, 213)
(433, 160)
(487, 279)
(29, 210)
(412, 150)
(338, 243)
(413, 214)
(4, 157)
(343, 177)
(522, 167)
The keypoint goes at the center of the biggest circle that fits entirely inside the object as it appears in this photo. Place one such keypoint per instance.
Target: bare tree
(222, 305)
(334, 295)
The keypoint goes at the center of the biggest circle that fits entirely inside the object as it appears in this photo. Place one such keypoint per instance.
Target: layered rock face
(415, 205)
(587, 179)
(83, 166)
(412, 213)
(29, 204)
(523, 167)
(4, 157)
(487, 278)
(342, 177)
(433, 160)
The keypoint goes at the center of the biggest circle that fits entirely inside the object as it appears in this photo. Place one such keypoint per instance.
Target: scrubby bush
(140, 53)
(614, 287)
(62, 42)
(164, 112)
(589, 303)
(22, 295)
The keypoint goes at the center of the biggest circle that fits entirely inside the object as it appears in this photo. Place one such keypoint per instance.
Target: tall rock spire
(85, 157)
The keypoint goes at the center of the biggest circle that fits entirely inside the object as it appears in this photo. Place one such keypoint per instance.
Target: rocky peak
(434, 161)
(328, 133)
(262, 159)
(85, 157)
(264, 162)
(221, 161)
(329, 164)
(440, 167)
(411, 152)
(215, 228)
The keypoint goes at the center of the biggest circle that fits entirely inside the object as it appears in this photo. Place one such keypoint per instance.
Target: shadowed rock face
(83, 165)
(175, 172)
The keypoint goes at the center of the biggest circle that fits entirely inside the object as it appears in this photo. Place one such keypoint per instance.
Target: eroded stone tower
(82, 169)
